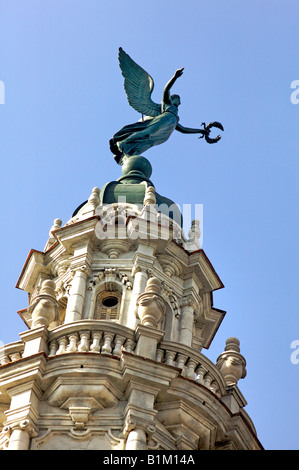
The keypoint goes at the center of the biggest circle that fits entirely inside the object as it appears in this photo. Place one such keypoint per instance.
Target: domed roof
(131, 189)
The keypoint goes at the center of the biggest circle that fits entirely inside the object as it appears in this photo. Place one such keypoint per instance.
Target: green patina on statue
(158, 120)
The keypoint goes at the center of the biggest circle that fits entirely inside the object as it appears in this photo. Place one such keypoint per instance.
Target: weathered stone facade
(112, 357)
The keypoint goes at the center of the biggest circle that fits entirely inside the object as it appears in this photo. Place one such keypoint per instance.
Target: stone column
(140, 280)
(187, 321)
(136, 440)
(20, 436)
(139, 284)
(19, 440)
(77, 294)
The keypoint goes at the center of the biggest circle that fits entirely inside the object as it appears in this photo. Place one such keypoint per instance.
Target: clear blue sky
(64, 99)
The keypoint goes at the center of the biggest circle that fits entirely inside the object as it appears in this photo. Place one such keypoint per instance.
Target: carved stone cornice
(111, 277)
(171, 266)
(114, 247)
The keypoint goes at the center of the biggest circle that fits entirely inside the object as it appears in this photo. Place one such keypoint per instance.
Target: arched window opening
(108, 306)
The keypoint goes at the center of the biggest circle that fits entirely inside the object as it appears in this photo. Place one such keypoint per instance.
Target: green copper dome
(131, 188)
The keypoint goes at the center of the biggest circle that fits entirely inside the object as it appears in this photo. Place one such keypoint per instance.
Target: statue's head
(176, 100)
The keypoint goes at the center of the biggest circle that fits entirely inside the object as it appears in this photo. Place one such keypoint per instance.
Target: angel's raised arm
(166, 92)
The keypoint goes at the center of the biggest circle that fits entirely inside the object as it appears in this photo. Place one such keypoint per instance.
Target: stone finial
(194, 234)
(94, 198)
(194, 231)
(56, 225)
(232, 344)
(150, 196)
(231, 363)
(45, 307)
(151, 305)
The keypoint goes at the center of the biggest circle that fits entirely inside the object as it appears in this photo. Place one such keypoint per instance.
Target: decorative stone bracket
(111, 276)
(80, 410)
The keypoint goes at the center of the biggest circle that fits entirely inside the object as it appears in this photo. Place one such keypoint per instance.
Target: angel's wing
(138, 86)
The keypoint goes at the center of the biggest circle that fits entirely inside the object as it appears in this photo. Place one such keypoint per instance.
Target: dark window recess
(107, 307)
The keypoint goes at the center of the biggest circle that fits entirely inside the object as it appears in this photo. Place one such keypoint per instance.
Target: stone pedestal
(136, 440)
(147, 341)
(35, 341)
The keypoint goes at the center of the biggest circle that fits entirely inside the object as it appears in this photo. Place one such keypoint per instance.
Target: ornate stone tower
(120, 309)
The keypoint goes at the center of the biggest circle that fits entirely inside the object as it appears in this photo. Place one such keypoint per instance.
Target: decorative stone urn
(151, 305)
(45, 306)
(231, 363)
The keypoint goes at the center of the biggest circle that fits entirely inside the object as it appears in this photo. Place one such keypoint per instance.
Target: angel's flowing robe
(134, 139)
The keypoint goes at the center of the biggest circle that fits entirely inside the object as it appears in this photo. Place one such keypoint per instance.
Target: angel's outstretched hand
(179, 73)
(207, 129)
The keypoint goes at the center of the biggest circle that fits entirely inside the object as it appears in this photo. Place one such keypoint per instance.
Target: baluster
(181, 359)
(62, 342)
(170, 355)
(4, 360)
(119, 341)
(129, 346)
(190, 369)
(214, 387)
(84, 342)
(95, 347)
(15, 356)
(106, 349)
(159, 355)
(53, 348)
(208, 379)
(72, 347)
(200, 373)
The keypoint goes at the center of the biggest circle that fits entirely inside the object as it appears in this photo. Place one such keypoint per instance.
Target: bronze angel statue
(158, 120)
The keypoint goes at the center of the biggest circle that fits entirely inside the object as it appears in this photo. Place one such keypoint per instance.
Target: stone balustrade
(97, 336)
(194, 365)
(11, 352)
(104, 337)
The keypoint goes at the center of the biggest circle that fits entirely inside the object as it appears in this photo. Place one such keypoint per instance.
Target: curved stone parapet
(93, 336)
(11, 352)
(104, 337)
(194, 365)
